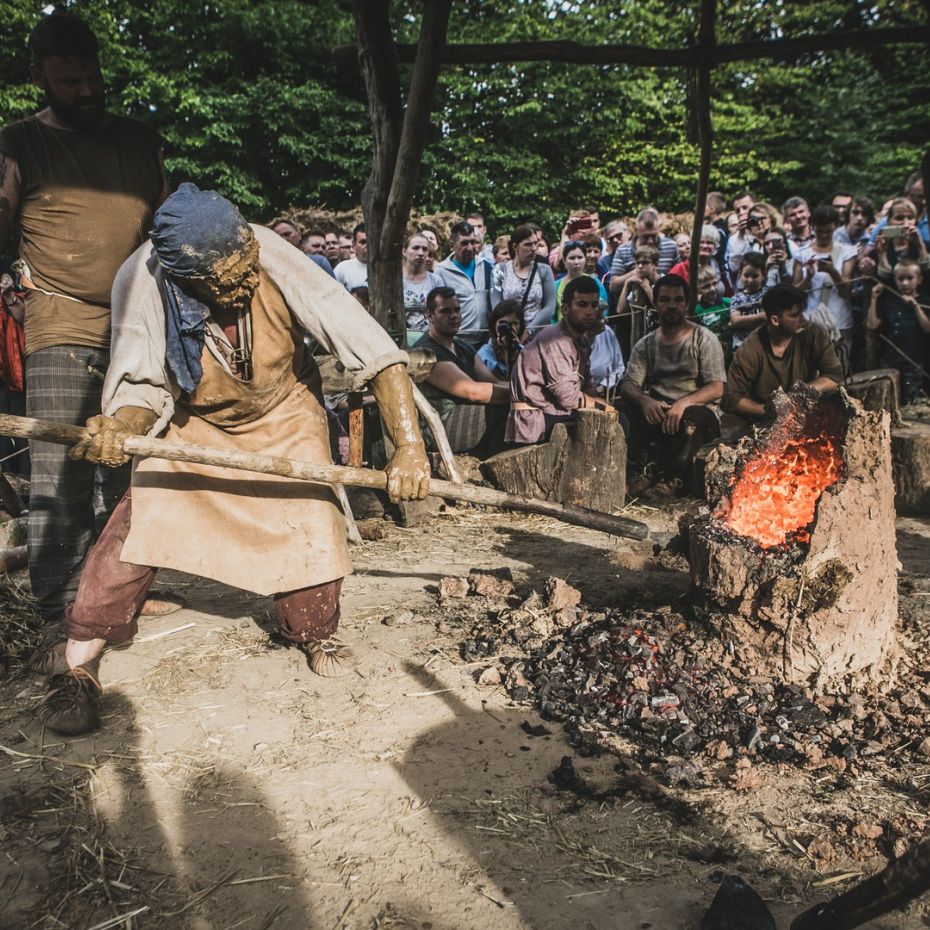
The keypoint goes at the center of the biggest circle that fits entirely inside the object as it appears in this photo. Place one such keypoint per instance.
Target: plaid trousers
(69, 502)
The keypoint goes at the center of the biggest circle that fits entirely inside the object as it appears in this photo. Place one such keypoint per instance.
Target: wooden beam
(644, 56)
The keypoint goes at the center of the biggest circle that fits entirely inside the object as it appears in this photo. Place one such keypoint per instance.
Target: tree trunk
(399, 138)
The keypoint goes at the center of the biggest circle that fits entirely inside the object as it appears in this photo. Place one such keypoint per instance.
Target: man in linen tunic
(265, 534)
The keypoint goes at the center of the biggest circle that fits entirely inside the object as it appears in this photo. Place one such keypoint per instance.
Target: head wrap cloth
(193, 230)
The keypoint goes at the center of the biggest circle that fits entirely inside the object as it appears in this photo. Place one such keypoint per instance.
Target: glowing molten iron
(774, 497)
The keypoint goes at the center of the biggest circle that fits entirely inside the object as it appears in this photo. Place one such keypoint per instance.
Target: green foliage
(248, 100)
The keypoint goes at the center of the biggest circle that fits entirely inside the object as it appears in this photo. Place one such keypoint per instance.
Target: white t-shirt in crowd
(351, 273)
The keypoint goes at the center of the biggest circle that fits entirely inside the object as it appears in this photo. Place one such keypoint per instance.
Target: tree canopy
(248, 99)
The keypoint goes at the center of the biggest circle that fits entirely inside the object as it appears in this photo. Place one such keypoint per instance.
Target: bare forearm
(749, 409)
(823, 385)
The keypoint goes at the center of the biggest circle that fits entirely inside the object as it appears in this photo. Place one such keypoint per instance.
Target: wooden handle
(38, 430)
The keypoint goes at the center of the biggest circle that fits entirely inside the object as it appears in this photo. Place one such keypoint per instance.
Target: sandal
(70, 707)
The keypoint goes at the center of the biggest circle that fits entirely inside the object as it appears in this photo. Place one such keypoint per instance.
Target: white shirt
(351, 273)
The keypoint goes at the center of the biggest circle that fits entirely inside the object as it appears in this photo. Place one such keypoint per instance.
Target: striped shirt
(623, 257)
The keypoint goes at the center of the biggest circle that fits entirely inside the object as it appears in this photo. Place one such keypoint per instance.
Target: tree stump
(795, 562)
(584, 463)
(878, 389)
(910, 455)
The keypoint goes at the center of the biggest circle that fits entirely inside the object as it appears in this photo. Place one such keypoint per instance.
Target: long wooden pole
(706, 42)
(28, 428)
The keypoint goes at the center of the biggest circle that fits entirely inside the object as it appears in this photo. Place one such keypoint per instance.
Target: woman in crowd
(433, 240)
(779, 264)
(900, 239)
(418, 282)
(501, 250)
(525, 280)
(574, 260)
(710, 242)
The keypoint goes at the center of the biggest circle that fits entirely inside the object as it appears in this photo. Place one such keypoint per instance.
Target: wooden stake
(28, 428)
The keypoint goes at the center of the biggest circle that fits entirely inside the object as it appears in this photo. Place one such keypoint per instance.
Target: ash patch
(659, 686)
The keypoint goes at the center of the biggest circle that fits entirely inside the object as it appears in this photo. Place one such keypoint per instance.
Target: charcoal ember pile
(669, 690)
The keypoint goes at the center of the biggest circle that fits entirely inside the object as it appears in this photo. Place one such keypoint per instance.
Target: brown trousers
(112, 592)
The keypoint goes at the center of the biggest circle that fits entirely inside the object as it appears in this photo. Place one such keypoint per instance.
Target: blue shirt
(468, 269)
(923, 227)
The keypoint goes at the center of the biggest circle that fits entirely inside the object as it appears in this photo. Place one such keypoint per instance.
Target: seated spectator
(712, 310)
(904, 323)
(787, 349)
(899, 238)
(353, 272)
(634, 306)
(647, 233)
(824, 271)
(469, 274)
(552, 378)
(673, 384)
(418, 282)
(574, 260)
(471, 402)
(746, 304)
(526, 280)
(710, 240)
(508, 334)
(501, 250)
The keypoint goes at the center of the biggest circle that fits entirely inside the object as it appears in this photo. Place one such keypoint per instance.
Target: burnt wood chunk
(583, 463)
(879, 389)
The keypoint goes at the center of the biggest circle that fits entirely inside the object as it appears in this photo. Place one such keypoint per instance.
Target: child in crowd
(508, 333)
(904, 323)
(712, 310)
(746, 311)
(634, 305)
(779, 264)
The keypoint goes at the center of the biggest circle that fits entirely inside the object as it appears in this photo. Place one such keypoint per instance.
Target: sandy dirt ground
(231, 788)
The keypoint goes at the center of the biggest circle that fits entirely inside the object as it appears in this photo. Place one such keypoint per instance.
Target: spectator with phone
(913, 191)
(779, 264)
(526, 280)
(896, 312)
(508, 333)
(824, 271)
(899, 238)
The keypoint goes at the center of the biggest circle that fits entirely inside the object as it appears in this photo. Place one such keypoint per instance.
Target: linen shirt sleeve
(637, 370)
(137, 375)
(743, 374)
(327, 312)
(713, 365)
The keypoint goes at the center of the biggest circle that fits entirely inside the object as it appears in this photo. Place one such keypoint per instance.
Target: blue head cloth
(193, 230)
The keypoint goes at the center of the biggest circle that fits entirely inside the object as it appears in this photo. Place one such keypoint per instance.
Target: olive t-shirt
(86, 203)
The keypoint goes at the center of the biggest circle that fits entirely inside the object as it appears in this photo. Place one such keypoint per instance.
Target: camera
(754, 221)
(581, 222)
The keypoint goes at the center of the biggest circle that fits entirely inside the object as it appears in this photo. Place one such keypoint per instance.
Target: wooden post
(705, 52)
(399, 139)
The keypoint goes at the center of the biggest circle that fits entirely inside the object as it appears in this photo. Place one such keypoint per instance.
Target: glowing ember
(774, 498)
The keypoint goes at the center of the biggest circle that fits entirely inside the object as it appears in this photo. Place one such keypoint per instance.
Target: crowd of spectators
(528, 329)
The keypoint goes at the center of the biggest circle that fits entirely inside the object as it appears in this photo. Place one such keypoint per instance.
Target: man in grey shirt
(673, 384)
(469, 275)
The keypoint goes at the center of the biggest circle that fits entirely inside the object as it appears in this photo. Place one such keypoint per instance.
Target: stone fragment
(453, 587)
(560, 595)
(490, 676)
(491, 582)
(868, 831)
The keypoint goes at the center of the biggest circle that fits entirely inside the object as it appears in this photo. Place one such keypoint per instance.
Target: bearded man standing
(208, 348)
(82, 185)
